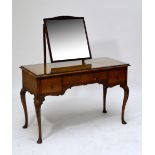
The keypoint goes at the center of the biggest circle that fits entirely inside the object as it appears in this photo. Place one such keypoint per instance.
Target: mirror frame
(46, 37)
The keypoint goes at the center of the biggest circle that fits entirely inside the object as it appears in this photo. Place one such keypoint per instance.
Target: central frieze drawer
(85, 78)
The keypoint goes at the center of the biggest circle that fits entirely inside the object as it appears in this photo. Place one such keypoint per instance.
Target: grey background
(114, 30)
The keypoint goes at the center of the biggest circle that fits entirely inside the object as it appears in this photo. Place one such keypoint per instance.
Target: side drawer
(29, 82)
(51, 85)
(78, 79)
(117, 76)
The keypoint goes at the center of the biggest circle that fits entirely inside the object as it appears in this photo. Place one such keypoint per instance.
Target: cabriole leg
(126, 94)
(23, 100)
(38, 100)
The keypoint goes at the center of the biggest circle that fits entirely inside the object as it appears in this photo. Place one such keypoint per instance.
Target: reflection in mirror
(67, 39)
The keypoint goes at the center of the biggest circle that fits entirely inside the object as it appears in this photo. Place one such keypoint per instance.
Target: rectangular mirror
(67, 38)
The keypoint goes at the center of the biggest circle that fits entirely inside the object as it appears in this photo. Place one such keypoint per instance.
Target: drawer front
(29, 83)
(117, 76)
(85, 78)
(51, 85)
(101, 76)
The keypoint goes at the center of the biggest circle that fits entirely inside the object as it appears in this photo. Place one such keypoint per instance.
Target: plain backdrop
(73, 123)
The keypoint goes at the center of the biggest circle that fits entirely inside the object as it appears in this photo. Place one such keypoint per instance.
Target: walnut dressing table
(41, 81)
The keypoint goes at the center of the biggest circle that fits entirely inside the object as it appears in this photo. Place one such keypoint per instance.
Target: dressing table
(55, 78)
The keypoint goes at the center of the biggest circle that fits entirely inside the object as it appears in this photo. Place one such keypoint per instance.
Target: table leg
(126, 94)
(104, 98)
(38, 100)
(23, 100)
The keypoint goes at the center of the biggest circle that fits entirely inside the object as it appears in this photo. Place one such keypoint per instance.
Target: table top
(42, 70)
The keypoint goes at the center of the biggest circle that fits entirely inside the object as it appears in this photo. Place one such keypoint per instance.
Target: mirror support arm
(45, 36)
(44, 43)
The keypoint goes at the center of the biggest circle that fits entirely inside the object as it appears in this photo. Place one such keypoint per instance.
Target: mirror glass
(67, 39)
